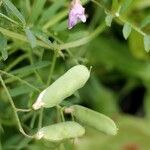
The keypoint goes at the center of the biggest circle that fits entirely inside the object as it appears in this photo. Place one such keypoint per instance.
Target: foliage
(36, 48)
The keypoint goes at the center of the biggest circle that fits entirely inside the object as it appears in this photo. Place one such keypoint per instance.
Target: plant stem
(123, 20)
(40, 118)
(14, 109)
(19, 79)
(23, 38)
(33, 120)
(84, 40)
(52, 68)
(74, 44)
(23, 110)
(48, 82)
(35, 70)
(62, 115)
(9, 19)
(16, 61)
(56, 19)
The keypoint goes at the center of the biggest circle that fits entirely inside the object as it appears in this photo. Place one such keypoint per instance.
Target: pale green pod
(93, 119)
(63, 87)
(60, 131)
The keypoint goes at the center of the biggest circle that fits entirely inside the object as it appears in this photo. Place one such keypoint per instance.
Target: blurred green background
(119, 85)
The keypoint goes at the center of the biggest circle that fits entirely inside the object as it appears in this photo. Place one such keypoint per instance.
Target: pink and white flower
(76, 14)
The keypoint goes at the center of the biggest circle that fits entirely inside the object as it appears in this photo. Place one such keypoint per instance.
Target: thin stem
(14, 109)
(48, 82)
(84, 40)
(77, 43)
(40, 118)
(19, 79)
(33, 120)
(60, 112)
(62, 115)
(28, 6)
(132, 25)
(32, 63)
(23, 38)
(23, 110)
(56, 19)
(9, 19)
(16, 61)
(52, 68)
(123, 20)
(61, 42)
(1, 3)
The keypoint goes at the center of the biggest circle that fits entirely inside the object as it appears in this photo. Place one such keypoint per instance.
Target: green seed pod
(60, 131)
(65, 86)
(93, 119)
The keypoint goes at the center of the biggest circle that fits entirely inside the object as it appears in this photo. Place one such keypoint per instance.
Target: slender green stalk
(23, 38)
(48, 82)
(54, 20)
(123, 20)
(84, 40)
(28, 6)
(9, 19)
(132, 25)
(16, 61)
(19, 79)
(1, 3)
(73, 44)
(23, 110)
(52, 68)
(61, 42)
(33, 120)
(40, 122)
(32, 63)
(62, 114)
(14, 109)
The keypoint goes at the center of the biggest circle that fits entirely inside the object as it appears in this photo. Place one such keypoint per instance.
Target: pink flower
(76, 14)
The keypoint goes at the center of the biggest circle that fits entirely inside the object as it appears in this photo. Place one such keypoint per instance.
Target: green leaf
(60, 27)
(60, 131)
(3, 45)
(77, 35)
(20, 90)
(31, 68)
(36, 10)
(15, 11)
(125, 5)
(126, 30)
(108, 20)
(114, 5)
(31, 38)
(42, 36)
(146, 21)
(49, 12)
(147, 43)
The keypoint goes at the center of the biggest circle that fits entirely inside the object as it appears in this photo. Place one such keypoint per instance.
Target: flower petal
(76, 13)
